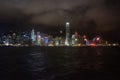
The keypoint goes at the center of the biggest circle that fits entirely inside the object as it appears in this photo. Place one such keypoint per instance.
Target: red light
(76, 34)
(92, 44)
(84, 36)
(98, 39)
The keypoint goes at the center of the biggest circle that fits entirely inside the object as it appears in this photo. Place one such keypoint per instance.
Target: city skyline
(37, 38)
(85, 16)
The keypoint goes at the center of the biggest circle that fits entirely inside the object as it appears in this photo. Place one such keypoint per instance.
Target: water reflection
(59, 63)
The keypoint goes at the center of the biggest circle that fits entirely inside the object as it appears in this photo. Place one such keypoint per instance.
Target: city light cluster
(41, 39)
(34, 38)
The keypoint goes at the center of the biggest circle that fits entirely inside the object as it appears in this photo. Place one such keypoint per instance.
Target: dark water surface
(59, 63)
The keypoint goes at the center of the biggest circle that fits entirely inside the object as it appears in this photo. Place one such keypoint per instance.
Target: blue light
(46, 40)
(24, 35)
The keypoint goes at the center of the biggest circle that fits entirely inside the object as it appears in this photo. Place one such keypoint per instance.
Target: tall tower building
(67, 43)
(33, 37)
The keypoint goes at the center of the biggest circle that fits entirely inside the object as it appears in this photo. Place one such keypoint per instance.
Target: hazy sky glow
(100, 15)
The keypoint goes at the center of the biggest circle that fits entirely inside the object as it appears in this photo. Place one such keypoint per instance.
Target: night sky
(86, 16)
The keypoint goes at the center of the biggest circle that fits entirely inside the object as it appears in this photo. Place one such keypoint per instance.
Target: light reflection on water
(59, 63)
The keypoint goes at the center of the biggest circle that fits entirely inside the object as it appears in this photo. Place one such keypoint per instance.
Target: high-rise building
(33, 36)
(46, 41)
(73, 39)
(76, 34)
(67, 40)
(38, 39)
(56, 41)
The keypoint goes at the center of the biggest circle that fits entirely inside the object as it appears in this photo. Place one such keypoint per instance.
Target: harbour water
(60, 63)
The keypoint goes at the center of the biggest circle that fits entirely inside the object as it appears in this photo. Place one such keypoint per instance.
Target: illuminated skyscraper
(38, 39)
(46, 41)
(33, 37)
(67, 43)
(73, 39)
(76, 35)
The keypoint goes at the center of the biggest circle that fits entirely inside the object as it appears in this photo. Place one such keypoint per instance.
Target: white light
(114, 44)
(85, 39)
(76, 39)
(67, 23)
(39, 36)
(7, 44)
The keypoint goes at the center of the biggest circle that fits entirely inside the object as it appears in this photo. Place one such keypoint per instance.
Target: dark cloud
(100, 15)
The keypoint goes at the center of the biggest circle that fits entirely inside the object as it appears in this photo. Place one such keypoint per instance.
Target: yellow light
(76, 39)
